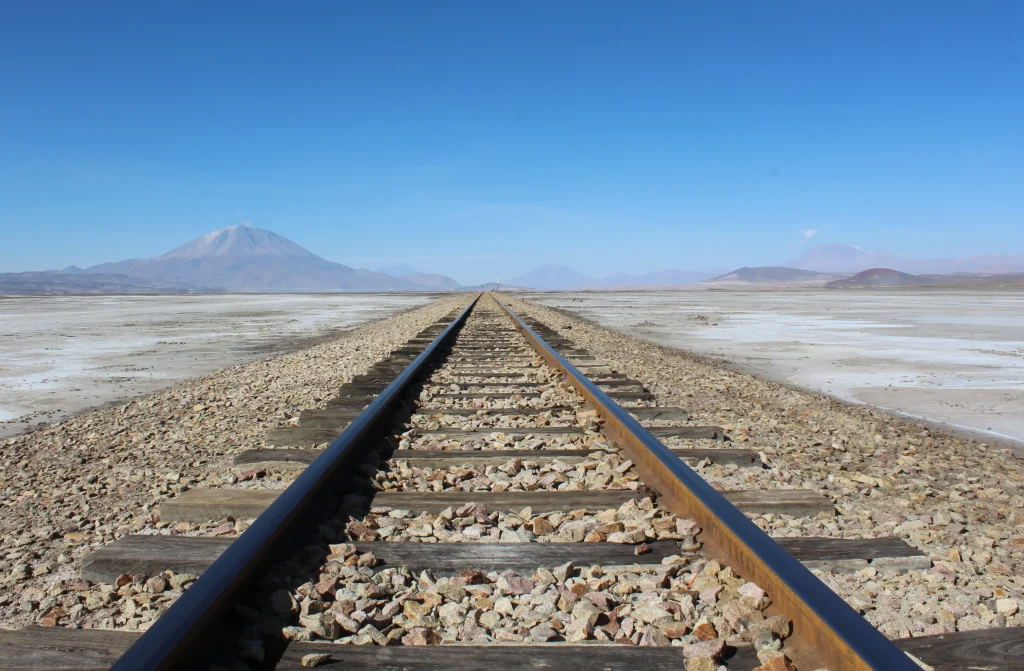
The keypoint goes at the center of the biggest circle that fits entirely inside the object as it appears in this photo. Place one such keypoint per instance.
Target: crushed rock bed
(633, 522)
(692, 603)
(430, 420)
(958, 500)
(600, 471)
(916, 604)
(447, 376)
(686, 601)
(573, 414)
(505, 440)
(79, 484)
(135, 602)
(548, 398)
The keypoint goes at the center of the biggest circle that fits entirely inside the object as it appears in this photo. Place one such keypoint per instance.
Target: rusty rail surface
(826, 631)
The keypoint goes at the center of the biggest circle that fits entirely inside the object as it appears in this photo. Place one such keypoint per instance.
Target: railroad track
(508, 496)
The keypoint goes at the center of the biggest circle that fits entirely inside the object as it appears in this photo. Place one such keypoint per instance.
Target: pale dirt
(60, 355)
(950, 356)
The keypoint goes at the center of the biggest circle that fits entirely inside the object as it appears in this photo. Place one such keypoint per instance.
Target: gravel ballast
(958, 500)
(79, 484)
(85, 482)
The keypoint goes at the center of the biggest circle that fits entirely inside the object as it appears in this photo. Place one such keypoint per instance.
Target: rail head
(172, 640)
(826, 630)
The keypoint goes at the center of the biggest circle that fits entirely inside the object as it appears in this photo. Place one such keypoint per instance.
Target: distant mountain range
(772, 274)
(783, 277)
(837, 257)
(248, 259)
(236, 258)
(885, 277)
(815, 267)
(560, 278)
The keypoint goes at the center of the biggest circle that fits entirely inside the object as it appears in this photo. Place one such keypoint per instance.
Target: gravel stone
(959, 500)
(79, 484)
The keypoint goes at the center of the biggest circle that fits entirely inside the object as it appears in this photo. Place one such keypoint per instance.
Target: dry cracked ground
(84, 482)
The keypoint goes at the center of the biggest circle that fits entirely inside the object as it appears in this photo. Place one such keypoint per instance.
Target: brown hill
(878, 277)
(886, 277)
(769, 274)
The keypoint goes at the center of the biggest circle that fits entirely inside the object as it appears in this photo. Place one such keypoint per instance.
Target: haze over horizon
(449, 138)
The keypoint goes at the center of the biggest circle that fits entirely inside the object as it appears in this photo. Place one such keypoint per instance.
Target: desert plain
(63, 354)
(956, 500)
(953, 357)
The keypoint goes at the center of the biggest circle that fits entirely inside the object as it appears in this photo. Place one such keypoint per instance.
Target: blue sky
(452, 136)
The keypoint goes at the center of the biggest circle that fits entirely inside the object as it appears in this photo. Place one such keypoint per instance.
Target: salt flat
(62, 354)
(952, 356)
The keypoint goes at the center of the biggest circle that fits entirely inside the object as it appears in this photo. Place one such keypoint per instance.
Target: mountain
(986, 264)
(837, 257)
(886, 277)
(769, 274)
(877, 277)
(248, 259)
(70, 282)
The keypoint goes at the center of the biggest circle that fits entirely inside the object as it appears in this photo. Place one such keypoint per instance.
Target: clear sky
(479, 138)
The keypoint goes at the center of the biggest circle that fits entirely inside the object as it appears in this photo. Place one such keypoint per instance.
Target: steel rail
(826, 631)
(176, 638)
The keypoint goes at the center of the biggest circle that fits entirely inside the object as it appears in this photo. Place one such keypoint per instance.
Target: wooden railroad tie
(204, 505)
(62, 649)
(150, 555)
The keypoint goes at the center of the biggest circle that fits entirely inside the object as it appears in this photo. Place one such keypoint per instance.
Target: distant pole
(497, 285)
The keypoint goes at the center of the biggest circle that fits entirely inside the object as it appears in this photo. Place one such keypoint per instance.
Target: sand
(62, 354)
(951, 356)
